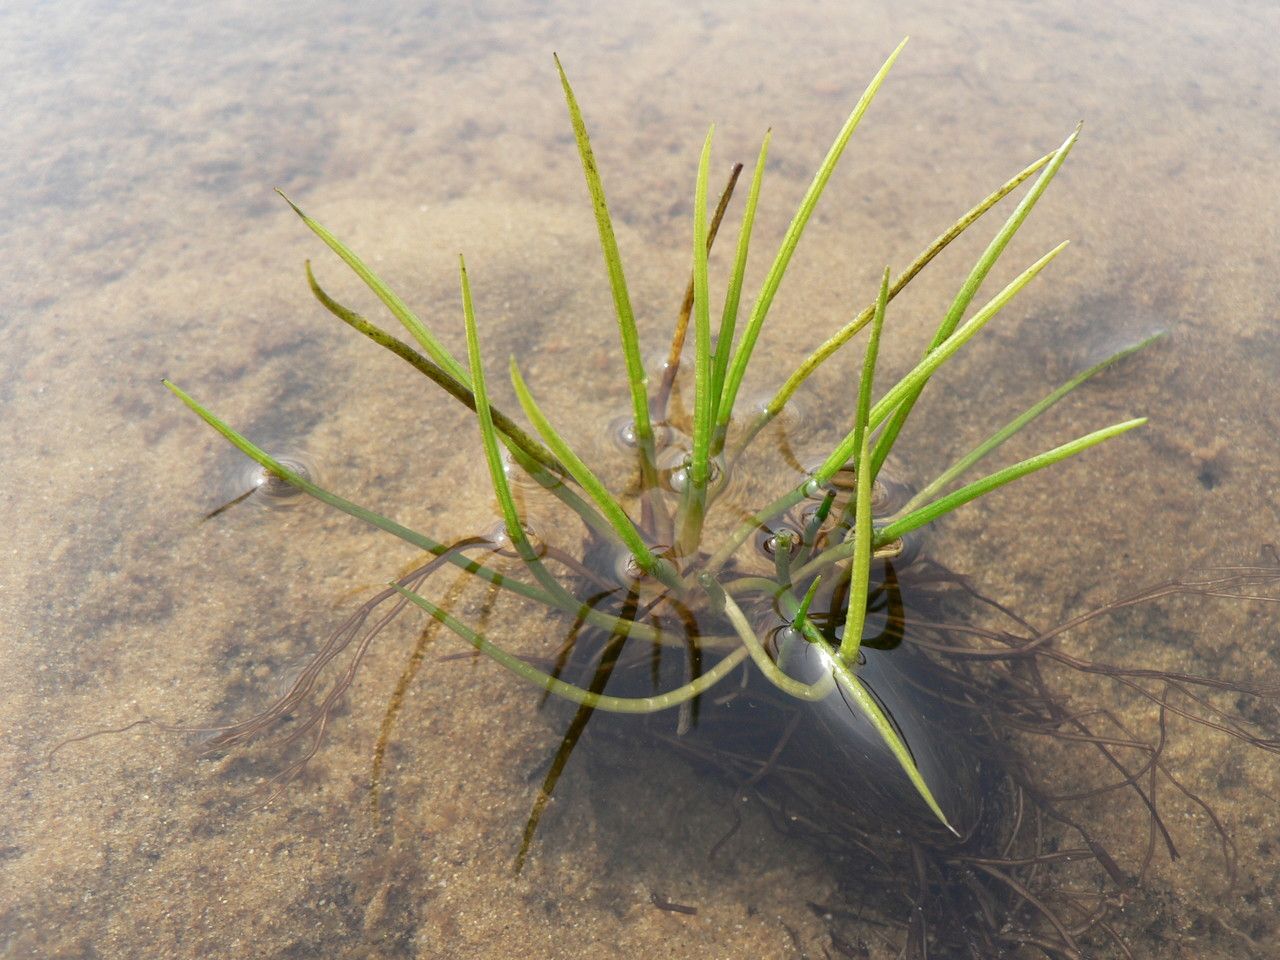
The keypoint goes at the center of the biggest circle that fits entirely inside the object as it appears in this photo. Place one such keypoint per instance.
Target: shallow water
(142, 240)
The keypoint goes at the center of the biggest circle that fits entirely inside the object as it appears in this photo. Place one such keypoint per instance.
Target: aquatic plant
(666, 554)
(804, 592)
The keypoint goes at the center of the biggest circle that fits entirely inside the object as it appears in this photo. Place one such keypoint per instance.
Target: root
(353, 637)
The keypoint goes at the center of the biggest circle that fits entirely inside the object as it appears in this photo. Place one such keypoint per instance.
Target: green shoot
(489, 440)
(617, 281)
(970, 288)
(733, 292)
(847, 332)
(693, 498)
(908, 385)
(570, 692)
(961, 466)
(802, 612)
(861, 534)
(918, 518)
(867, 703)
(530, 447)
(764, 301)
(435, 350)
(612, 510)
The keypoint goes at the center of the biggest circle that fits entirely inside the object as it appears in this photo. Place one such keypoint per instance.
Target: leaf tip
(296, 209)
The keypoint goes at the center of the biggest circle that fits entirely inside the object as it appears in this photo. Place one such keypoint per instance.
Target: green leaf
(798, 620)
(489, 440)
(1016, 425)
(773, 673)
(867, 703)
(970, 288)
(532, 449)
(617, 280)
(596, 490)
(694, 497)
(640, 631)
(846, 333)
(268, 462)
(865, 481)
(568, 691)
(926, 367)
(435, 349)
(918, 518)
(742, 357)
(733, 293)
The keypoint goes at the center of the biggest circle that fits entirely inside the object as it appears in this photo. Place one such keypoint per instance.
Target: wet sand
(143, 241)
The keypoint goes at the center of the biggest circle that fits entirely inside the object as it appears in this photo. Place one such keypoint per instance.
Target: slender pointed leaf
(1014, 426)
(658, 409)
(694, 497)
(742, 356)
(861, 533)
(434, 348)
(489, 440)
(802, 612)
(459, 391)
(733, 293)
(698, 466)
(589, 482)
(569, 691)
(617, 280)
(969, 289)
(867, 703)
(972, 491)
(925, 369)
(268, 462)
(846, 333)
(760, 656)
(640, 631)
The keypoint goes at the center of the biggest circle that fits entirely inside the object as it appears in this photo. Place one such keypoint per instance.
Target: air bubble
(678, 479)
(767, 541)
(516, 475)
(268, 489)
(501, 540)
(622, 431)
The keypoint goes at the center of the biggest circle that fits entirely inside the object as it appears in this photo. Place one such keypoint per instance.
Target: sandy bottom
(146, 245)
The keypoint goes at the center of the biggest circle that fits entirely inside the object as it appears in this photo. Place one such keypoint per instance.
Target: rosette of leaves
(669, 557)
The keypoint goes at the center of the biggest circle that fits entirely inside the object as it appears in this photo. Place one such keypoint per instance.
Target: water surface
(143, 240)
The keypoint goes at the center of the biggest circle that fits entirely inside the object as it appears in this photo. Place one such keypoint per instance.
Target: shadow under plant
(803, 644)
